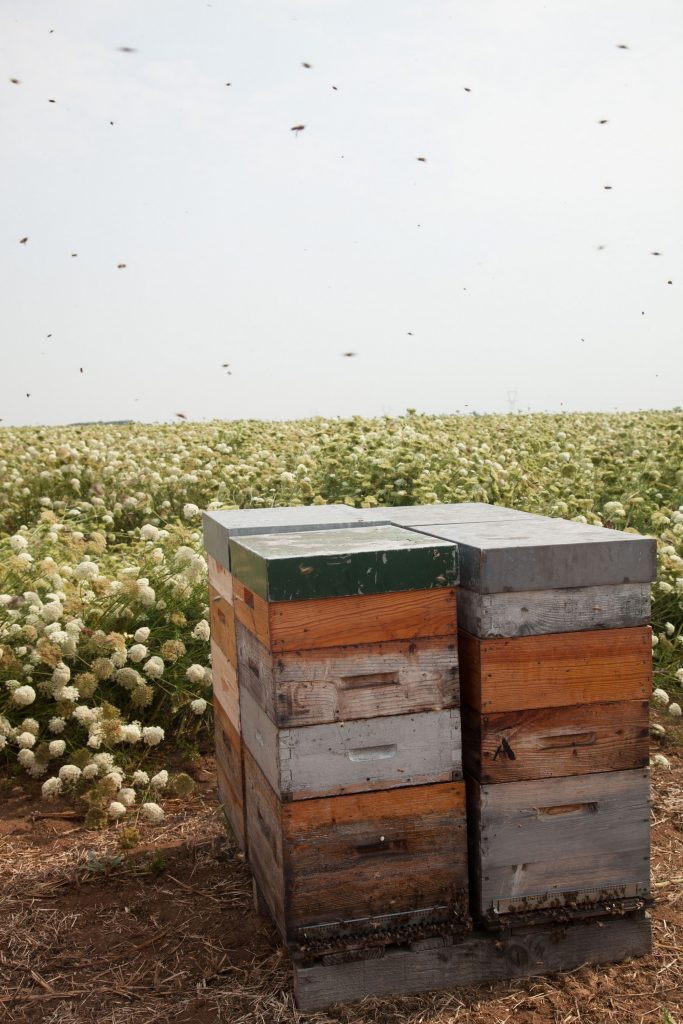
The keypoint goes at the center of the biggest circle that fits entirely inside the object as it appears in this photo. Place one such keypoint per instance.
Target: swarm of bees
(297, 129)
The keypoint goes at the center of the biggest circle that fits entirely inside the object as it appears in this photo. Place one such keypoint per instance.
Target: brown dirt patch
(171, 937)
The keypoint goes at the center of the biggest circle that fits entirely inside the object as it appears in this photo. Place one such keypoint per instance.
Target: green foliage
(95, 818)
(128, 837)
(157, 863)
(103, 865)
(181, 785)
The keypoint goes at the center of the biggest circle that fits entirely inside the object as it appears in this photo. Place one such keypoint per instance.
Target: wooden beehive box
(360, 870)
(555, 705)
(536, 553)
(562, 844)
(555, 669)
(218, 528)
(338, 684)
(556, 672)
(226, 704)
(353, 756)
(545, 743)
(347, 661)
(318, 594)
(347, 694)
(480, 959)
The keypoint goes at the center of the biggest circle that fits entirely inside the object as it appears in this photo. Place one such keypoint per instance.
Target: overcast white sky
(275, 252)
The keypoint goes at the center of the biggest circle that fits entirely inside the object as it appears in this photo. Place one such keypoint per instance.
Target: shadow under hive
(342, 705)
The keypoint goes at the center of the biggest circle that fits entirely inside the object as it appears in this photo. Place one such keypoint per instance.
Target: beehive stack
(219, 527)
(348, 693)
(342, 702)
(555, 656)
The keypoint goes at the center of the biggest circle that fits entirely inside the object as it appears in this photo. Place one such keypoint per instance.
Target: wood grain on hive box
(477, 960)
(225, 689)
(230, 774)
(336, 859)
(555, 670)
(343, 683)
(341, 563)
(220, 579)
(222, 616)
(220, 526)
(342, 621)
(553, 742)
(553, 554)
(553, 611)
(587, 837)
(350, 757)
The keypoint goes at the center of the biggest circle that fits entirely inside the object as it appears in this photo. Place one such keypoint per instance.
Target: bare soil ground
(170, 933)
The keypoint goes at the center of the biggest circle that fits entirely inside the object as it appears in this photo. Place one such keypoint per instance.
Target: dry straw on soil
(170, 934)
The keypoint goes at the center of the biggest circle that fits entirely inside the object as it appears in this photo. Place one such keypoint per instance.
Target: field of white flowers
(105, 674)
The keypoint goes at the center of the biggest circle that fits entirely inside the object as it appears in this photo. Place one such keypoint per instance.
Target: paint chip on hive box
(342, 563)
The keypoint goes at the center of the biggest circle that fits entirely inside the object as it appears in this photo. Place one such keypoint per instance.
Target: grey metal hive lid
(546, 555)
(454, 513)
(220, 526)
(342, 562)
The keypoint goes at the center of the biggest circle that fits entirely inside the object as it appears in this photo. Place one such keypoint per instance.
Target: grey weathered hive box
(342, 562)
(498, 557)
(219, 527)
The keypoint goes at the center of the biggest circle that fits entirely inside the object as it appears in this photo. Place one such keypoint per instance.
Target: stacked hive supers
(555, 655)
(219, 528)
(555, 666)
(343, 728)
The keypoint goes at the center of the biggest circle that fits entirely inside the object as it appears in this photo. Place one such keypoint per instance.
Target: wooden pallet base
(479, 959)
